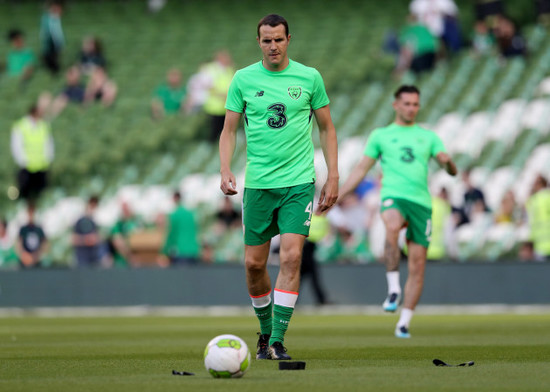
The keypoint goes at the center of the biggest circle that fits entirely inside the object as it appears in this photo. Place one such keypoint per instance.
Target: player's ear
(288, 38)
(258, 40)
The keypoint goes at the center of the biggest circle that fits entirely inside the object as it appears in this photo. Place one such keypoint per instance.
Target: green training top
(404, 153)
(277, 108)
(182, 235)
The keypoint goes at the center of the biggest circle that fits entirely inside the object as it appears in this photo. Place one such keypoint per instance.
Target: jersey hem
(278, 186)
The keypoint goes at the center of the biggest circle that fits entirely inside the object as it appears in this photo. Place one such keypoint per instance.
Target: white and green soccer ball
(227, 356)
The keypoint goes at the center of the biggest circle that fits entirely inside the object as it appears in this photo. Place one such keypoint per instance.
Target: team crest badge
(295, 92)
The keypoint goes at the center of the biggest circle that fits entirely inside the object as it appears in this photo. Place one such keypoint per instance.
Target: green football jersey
(278, 109)
(404, 153)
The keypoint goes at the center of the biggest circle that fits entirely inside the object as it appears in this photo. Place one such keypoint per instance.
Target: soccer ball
(227, 356)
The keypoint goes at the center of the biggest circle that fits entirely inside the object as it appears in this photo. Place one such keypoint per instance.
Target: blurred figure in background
(442, 226)
(472, 196)
(418, 48)
(227, 217)
(21, 60)
(32, 148)
(169, 97)
(509, 40)
(509, 211)
(8, 257)
(483, 41)
(538, 211)
(440, 17)
(181, 245)
(32, 243)
(51, 36)
(91, 55)
(197, 90)
(308, 269)
(119, 241)
(89, 248)
(220, 73)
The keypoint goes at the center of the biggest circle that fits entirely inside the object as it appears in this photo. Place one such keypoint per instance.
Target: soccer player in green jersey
(404, 149)
(277, 98)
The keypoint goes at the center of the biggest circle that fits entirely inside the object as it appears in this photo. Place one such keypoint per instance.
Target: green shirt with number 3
(277, 108)
(404, 153)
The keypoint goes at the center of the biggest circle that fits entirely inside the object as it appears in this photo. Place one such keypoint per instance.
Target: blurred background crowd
(111, 111)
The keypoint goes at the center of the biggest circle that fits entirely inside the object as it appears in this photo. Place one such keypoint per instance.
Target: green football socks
(281, 318)
(264, 315)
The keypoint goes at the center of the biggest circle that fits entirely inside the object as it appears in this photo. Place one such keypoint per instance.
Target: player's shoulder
(251, 70)
(304, 69)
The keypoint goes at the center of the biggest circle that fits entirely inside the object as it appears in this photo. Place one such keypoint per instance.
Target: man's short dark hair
(406, 88)
(14, 33)
(273, 20)
(94, 199)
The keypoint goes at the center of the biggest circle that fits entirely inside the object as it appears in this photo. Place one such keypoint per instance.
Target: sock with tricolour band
(282, 312)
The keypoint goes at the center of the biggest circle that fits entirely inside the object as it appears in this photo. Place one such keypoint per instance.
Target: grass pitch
(343, 353)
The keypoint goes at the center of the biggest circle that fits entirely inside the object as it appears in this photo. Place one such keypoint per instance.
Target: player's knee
(254, 265)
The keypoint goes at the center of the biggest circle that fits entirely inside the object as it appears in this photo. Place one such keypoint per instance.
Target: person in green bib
(277, 97)
(404, 149)
(32, 148)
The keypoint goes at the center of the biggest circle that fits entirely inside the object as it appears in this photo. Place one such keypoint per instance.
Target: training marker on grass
(298, 365)
(184, 373)
(439, 362)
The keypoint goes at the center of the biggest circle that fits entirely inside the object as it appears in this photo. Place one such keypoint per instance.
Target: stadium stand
(491, 114)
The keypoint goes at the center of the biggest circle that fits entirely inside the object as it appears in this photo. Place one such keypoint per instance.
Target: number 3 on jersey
(278, 118)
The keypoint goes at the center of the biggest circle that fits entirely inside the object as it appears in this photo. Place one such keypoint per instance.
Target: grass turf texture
(343, 353)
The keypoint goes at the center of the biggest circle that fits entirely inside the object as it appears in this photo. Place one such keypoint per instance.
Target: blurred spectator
(483, 41)
(169, 97)
(508, 211)
(197, 90)
(32, 242)
(319, 229)
(91, 55)
(21, 59)
(100, 88)
(509, 41)
(51, 36)
(418, 49)
(181, 246)
(220, 73)
(538, 211)
(442, 226)
(440, 17)
(32, 148)
(119, 241)
(89, 248)
(8, 257)
(228, 216)
(472, 196)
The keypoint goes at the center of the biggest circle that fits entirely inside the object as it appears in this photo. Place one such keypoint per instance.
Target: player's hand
(228, 183)
(328, 197)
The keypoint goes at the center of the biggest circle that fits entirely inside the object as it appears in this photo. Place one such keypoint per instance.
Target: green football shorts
(268, 212)
(418, 218)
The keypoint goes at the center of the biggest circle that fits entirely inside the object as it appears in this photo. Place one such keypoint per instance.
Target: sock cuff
(261, 301)
(285, 298)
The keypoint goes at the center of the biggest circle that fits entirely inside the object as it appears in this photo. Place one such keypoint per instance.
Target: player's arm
(446, 163)
(357, 174)
(228, 139)
(329, 145)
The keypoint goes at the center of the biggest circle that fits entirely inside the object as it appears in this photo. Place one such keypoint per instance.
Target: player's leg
(413, 287)
(418, 239)
(286, 291)
(259, 227)
(394, 222)
(259, 289)
(294, 219)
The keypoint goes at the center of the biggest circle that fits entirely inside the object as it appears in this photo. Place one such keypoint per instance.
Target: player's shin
(263, 307)
(282, 312)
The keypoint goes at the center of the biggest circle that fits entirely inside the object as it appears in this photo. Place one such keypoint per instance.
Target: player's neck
(276, 67)
(402, 123)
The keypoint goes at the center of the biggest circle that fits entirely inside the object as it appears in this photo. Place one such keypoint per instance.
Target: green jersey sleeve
(319, 97)
(437, 145)
(372, 149)
(235, 101)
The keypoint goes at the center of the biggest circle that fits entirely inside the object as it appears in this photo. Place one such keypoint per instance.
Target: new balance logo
(307, 223)
(260, 93)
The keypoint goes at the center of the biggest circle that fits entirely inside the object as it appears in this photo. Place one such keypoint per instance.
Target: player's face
(274, 42)
(406, 107)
